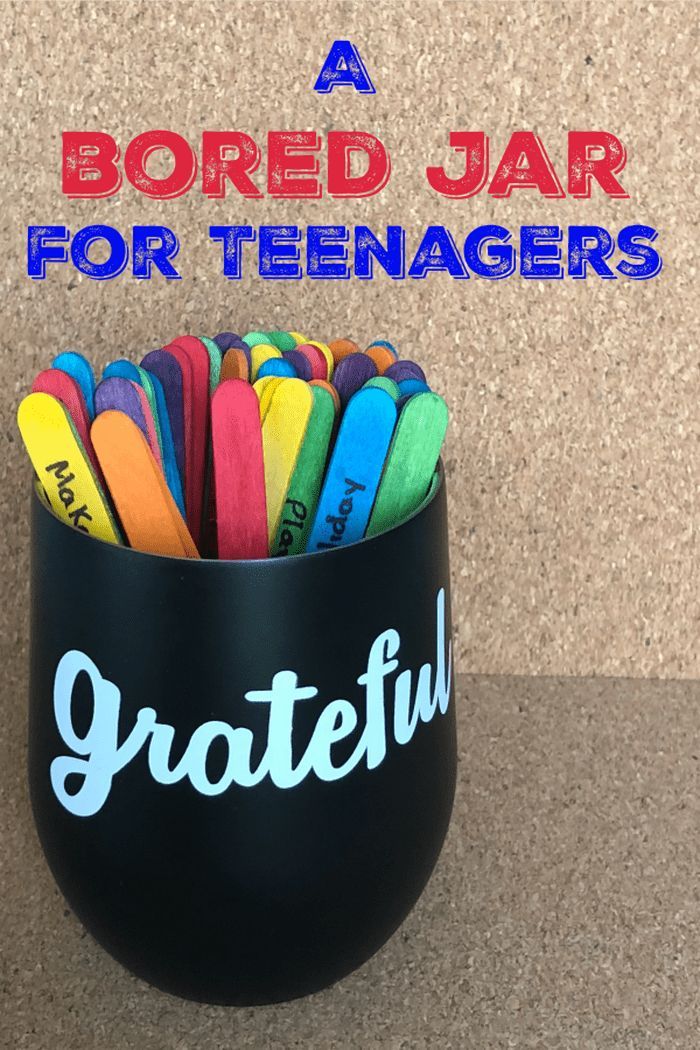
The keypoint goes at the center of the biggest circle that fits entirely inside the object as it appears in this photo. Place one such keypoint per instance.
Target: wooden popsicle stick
(146, 508)
(122, 395)
(411, 462)
(77, 366)
(239, 474)
(234, 365)
(283, 432)
(325, 385)
(63, 467)
(326, 351)
(265, 388)
(317, 360)
(215, 359)
(260, 353)
(199, 360)
(67, 390)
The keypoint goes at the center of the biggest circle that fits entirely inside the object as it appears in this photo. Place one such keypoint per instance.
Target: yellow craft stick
(260, 353)
(283, 432)
(298, 338)
(147, 510)
(63, 468)
(265, 388)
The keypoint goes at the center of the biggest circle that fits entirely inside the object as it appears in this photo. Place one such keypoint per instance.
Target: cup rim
(121, 550)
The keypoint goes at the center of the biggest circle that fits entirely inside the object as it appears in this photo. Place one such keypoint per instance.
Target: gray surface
(563, 912)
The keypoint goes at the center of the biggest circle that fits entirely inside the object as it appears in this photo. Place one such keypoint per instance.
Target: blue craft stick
(141, 376)
(409, 387)
(167, 370)
(277, 366)
(77, 366)
(354, 471)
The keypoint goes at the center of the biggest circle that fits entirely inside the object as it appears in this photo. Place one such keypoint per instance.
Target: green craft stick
(256, 338)
(214, 362)
(411, 461)
(300, 505)
(384, 383)
(435, 481)
(282, 340)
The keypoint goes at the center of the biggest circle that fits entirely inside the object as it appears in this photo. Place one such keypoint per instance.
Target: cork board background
(574, 447)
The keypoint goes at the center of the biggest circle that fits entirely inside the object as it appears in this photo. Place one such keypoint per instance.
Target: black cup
(240, 775)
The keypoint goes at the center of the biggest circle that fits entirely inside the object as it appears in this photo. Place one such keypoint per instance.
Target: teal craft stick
(215, 358)
(300, 504)
(77, 366)
(354, 471)
(252, 339)
(411, 463)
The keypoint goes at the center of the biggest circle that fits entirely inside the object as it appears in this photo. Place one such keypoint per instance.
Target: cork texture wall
(574, 446)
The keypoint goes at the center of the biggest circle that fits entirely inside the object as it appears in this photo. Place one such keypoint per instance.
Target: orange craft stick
(234, 365)
(325, 385)
(146, 508)
(382, 358)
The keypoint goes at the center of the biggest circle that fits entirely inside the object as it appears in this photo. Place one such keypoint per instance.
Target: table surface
(563, 912)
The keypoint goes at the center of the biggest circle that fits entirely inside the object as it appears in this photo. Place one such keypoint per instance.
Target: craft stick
(298, 337)
(234, 365)
(256, 338)
(300, 363)
(354, 471)
(215, 357)
(77, 366)
(326, 351)
(341, 348)
(283, 432)
(276, 366)
(146, 508)
(411, 463)
(264, 389)
(382, 358)
(239, 475)
(258, 354)
(68, 391)
(225, 340)
(325, 385)
(63, 467)
(405, 370)
(122, 395)
(169, 373)
(194, 362)
(316, 358)
(282, 340)
(409, 387)
(384, 383)
(389, 346)
(351, 374)
(304, 488)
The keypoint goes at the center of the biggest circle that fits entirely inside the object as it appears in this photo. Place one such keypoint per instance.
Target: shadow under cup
(242, 773)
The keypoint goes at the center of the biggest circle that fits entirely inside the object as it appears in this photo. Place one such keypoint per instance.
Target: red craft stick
(193, 359)
(67, 390)
(239, 474)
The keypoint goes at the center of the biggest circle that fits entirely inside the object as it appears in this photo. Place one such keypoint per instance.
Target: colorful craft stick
(282, 340)
(225, 340)
(316, 358)
(300, 363)
(405, 370)
(283, 432)
(354, 471)
(154, 392)
(341, 348)
(168, 372)
(277, 366)
(239, 474)
(260, 353)
(234, 365)
(326, 351)
(384, 383)
(67, 390)
(325, 385)
(409, 387)
(351, 374)
(389, 346)
(382, 358)
(77, 366)
(264, 389)
(63, 467)
(304, 488)
(411, 463)
(121, 395)
(146, 508)
(215, 357)
(256, 338)
(298, 337)
(194, 361)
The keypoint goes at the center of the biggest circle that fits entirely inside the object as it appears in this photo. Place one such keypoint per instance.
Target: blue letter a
(344, 66)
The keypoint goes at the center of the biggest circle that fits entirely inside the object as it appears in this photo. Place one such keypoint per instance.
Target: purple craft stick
(405, 370)
(300, 363)
(164, 366)
(121, 394)
(225, 340)
(352, 373)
